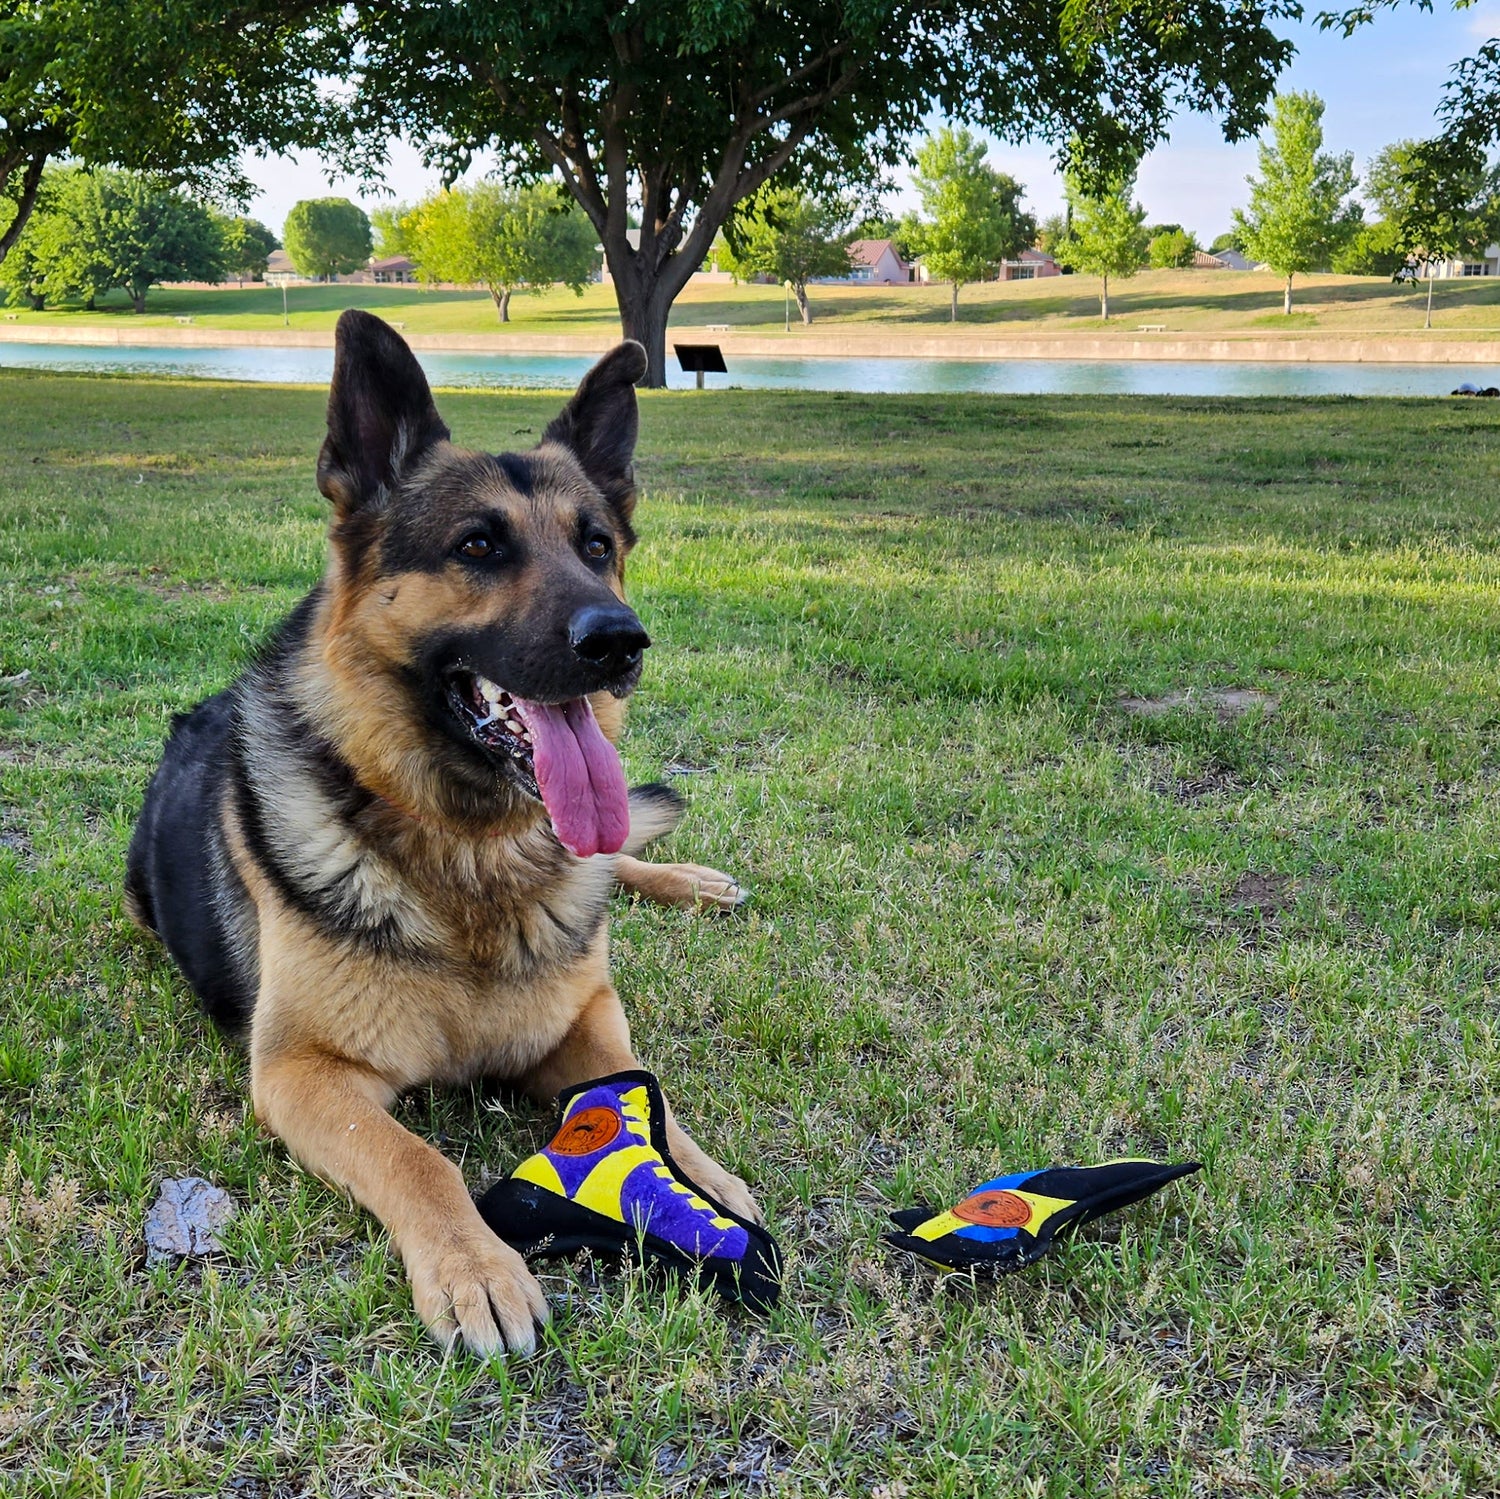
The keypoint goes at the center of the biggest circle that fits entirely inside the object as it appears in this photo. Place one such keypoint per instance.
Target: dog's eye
(598, 548)
(476, 547)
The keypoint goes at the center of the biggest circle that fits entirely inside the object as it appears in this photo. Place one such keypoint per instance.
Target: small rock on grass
(185, 1220)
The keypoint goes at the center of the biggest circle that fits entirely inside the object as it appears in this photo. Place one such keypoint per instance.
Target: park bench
(12, 317)
(716, 327)
(185, 321)
(1152, 328)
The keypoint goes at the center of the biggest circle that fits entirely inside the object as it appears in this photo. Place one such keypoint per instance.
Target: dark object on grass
(607, 1182)
(1468, 388)
(1012, 1221)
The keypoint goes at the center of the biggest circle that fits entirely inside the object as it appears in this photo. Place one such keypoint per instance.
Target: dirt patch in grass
(15, 837)
(1213, 780)
(1228, 703)
(1262, 894)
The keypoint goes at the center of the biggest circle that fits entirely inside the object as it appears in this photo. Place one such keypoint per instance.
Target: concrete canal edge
(816, 344)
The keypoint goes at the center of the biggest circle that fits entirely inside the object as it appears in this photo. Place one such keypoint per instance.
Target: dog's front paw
(469, 1285)
(723, 1186)
(710, 890)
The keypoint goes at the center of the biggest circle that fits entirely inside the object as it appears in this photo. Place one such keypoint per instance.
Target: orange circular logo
(586, 1131)
(995, 1210)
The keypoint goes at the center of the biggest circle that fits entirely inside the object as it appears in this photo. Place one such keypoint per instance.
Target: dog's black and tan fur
(368, 894)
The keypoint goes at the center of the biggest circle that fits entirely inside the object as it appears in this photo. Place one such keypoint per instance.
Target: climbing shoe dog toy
(607, 1182)
(1012, 1221)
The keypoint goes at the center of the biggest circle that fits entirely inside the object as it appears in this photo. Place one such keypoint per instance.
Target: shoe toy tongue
(580, 777)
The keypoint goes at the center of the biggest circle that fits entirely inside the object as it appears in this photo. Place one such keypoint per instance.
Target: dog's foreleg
(332, 1115)
(599, 1044)
(692, 887)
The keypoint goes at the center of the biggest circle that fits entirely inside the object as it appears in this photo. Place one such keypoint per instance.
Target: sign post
(696, 358)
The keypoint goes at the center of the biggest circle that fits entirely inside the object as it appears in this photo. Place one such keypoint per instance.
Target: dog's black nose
(607, 636)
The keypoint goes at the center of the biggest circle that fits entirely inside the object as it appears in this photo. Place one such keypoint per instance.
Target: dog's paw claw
(478, 1292)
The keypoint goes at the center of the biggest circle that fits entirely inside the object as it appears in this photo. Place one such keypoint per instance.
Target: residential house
(393, 270)
(1029, 265)
(1487, 265)
(1232, 260)
(280, 270)
(874, 262)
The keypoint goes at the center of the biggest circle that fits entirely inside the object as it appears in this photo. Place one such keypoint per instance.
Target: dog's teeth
(488, 691)
(515, 727)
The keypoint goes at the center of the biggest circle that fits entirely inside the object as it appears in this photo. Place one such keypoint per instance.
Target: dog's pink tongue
(580, 776)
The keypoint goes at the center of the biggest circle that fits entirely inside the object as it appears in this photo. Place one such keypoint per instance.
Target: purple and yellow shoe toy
(607, 1182)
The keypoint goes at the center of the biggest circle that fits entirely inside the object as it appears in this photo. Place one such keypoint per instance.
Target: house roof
(393, 263)
(279, 260)
(870, 251)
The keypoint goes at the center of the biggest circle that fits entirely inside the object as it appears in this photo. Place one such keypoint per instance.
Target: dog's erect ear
(380, 412)
(600, 423)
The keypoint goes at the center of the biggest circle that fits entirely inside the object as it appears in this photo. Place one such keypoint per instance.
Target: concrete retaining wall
(815, 344)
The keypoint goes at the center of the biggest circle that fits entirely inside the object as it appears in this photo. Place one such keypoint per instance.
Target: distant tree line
(92, 232)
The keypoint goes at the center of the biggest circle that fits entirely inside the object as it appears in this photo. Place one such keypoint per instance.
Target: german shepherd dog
(383, 857)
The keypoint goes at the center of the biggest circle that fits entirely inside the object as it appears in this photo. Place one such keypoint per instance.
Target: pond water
(914, 376)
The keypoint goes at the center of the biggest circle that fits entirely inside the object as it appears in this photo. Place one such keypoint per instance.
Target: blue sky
(1380, 85)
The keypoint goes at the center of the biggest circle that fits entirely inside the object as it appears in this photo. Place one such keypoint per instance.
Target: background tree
(687, 110)
(327, 237)
(1106, 229)
(504, 239)
(107, 229)
(975, 214)
(247, 246)
(1171, 248)
(23, 272)
(1231, 239)
(1446, 206)
(1373, 250)
(1051, 232)
(784, 233)
(392, 225)
(1300, 215)
(176, 87)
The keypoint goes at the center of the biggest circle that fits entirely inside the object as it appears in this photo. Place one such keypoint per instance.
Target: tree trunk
(501, 299)
(36, 300)
(953, 302)
(30, 182)
(643, 317)
(800, 292)
(138, 299)
(1104, 300)
(1430, 279)
(1286, 304)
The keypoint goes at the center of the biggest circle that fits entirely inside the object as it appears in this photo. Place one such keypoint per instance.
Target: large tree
(327, 237)
(177, 87)
(99, 230)
(792, 236)
(1300, 213)
(503, 238)
(683, 111)
(1106, 228)
(976, 215)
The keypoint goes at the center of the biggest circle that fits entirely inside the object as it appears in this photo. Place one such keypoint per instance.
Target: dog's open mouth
(557, 753)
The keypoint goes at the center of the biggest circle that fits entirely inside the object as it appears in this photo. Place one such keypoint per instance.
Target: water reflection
(912, 376)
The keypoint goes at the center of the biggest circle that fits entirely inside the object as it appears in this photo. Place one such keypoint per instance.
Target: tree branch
(25, 203)
(797, 74)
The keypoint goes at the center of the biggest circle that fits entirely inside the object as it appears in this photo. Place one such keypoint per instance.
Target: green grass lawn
(1193, 302)
(1001, 918)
